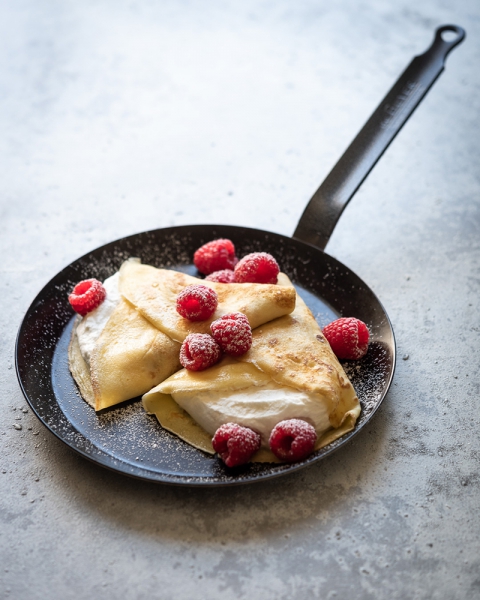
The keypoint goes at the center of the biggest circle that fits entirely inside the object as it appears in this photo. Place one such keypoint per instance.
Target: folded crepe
(154, 292)
(130, 357)
(140, 343)
(289, 372)
(295, 353)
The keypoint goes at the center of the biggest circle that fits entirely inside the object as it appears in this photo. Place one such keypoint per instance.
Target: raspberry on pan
(235, 444)
(223, 276)
(215, 256)
(197, 302)
(258, 267)
(232, 333)
(199, 351)
(348, 337)
(87, 296)
(292, 440)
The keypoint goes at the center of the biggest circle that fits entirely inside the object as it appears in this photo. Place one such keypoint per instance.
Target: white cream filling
(259, 408)
(92, 325)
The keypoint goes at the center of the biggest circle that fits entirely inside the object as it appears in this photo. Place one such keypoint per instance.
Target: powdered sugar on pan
(369, 377)
(125, 438)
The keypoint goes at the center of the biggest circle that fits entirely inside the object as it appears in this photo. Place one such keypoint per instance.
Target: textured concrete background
(122, 116)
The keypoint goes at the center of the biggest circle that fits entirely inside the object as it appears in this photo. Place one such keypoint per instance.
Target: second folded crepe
(289, 372)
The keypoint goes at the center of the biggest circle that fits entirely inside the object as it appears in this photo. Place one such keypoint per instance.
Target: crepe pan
(127, 440)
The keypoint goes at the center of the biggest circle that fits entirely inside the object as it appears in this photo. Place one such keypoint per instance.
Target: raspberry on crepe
(87, 296)
(235, 444)
(258, 267)
(215, 256)
(223, 276)
(199, 351)
(233, 333)
(197, 302)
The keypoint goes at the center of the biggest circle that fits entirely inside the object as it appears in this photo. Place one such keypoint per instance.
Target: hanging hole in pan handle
(449, 36)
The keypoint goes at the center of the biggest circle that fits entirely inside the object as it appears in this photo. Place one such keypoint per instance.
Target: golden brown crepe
(229, 375)
(130, 357)
(140, 343)
(290, 351)
(154, 292)
(295, 353)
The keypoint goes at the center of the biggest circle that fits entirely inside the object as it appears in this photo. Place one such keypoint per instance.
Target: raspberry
(258, 267)
(87, 296)
(292, 440)
(223, 276)
(197, 302)
(348, 337)
(199, 351)
(235, 444)
(215, 256)
(232, 333)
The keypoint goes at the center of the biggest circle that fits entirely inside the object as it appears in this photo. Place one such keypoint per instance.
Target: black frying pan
(127, 440)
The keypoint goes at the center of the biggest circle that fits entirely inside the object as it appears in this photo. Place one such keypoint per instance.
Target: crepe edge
(176, 420)
(79, 368)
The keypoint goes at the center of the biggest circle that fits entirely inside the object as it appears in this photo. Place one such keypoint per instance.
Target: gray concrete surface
(118, 117)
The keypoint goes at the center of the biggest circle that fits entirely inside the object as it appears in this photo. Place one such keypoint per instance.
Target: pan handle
(326, 206)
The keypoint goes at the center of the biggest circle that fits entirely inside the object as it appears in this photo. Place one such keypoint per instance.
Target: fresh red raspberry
(292, 440)
(232, 333)
(223, 276)
(258, 267)
(348, 337)
(197, 302)
(235, 444)
(199, 351)
(215, 256)
(87, 296)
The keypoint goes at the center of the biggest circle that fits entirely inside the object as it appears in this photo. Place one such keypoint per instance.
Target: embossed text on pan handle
(324, 209)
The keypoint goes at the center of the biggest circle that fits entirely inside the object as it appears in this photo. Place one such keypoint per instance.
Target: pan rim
(102, 458)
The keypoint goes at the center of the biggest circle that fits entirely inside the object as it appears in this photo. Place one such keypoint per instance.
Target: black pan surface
(126, 439)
